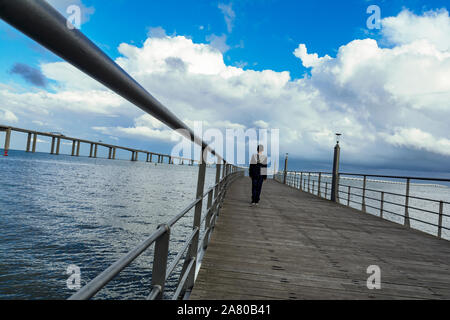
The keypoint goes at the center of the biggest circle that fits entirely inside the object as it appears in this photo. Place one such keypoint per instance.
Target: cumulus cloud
(7, 116)
(383, 99)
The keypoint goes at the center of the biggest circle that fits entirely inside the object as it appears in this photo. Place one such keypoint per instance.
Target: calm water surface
(60, 210)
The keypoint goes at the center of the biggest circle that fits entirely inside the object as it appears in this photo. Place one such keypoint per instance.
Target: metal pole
(285, 168)
(114, 154)
(319, 193)
(348, 196)
(441, 212)
(193, 248)
(335, 179)
(95, 150)
(148, 157)
(91, 151)
(216, 189)
(363, 203)
(160, 262)
(407, 223)
(29, 142)
(309, 182)
(301, 180)
(382, 204)
(110, 153)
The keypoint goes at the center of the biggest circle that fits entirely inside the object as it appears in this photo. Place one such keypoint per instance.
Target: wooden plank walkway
(297, 246)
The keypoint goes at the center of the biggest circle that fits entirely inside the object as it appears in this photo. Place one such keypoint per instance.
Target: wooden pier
(295, 245)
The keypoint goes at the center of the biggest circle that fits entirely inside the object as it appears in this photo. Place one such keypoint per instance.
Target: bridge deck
(298, 246)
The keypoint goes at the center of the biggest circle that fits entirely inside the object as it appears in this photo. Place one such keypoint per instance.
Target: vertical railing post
(382, 204)
(7, 141)
(109, 153)
(148, 157)
(114, 154)
(348, 196)
(335, 179)
(313, 185)
(216, 189)
(33, 149)
(151, 156)
(91, 151)
(95, 150)
(285, 168)
(407, 224)
(160, 261)
(301, 180)
(309, 182)
(319, 193)
(29, 142)
(441, 213)
(326, 190)
(363, 203)
(193, 247)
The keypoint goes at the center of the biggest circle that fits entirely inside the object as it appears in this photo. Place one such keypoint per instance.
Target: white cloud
(417, 139)
(433, 26)
(228, 14)
(7, 117)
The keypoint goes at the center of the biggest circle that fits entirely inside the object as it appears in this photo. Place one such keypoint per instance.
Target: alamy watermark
(374, 20)
(236, 145)
(74, 280)
(374, 280)
(74, 19)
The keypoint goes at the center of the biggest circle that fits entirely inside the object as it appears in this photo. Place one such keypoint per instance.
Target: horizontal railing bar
(90, 289)
(180, 253)
(394, 194)
(154, 293)
(183, 279)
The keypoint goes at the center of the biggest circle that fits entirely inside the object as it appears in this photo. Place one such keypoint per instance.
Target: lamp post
(335, 179)
(285, 168)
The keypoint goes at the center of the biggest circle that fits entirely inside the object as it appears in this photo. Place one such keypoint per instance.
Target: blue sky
(256, 36)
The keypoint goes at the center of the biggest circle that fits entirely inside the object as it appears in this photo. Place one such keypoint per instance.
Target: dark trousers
(256, 188)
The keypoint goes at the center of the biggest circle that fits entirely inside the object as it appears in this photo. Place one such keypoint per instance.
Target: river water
(57, 211)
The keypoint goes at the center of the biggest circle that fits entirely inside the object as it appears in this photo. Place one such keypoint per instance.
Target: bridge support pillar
(7, 141)
(114, 154)
(74, 143)
(58, 144)
(110, 153)
(52, 151)
(29, 142)
(33, 149)
(95, 150)
(78, 148)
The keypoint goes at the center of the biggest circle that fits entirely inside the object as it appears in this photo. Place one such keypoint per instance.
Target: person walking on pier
(258, 173)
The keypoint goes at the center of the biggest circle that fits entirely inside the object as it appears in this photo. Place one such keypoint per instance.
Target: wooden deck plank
(298, 246)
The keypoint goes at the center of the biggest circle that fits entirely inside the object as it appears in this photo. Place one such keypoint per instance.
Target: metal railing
(41, 22)
(375, 201)
(192, 250)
